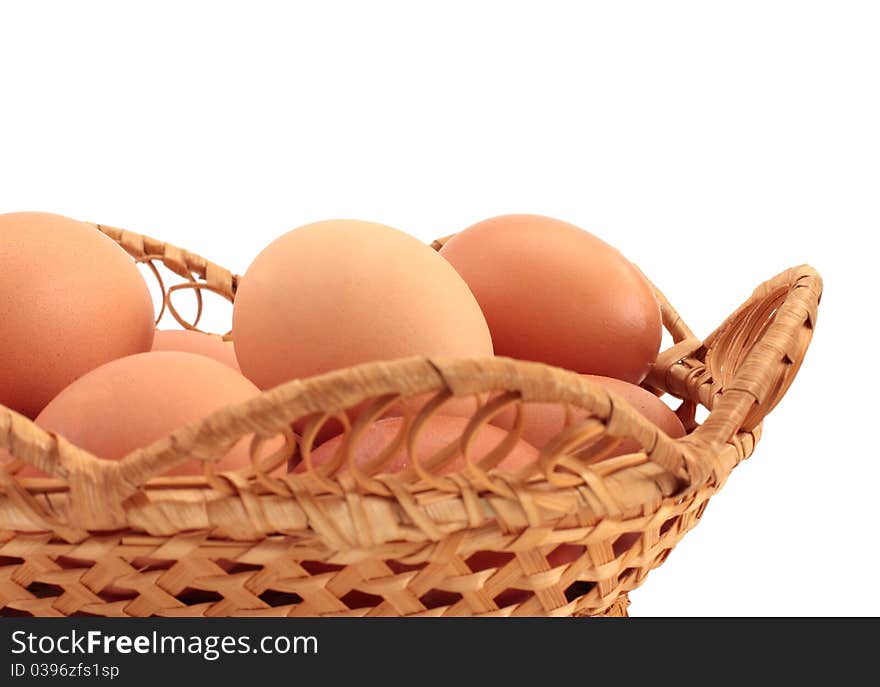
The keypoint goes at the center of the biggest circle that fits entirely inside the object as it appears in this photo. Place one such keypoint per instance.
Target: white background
(714, 144)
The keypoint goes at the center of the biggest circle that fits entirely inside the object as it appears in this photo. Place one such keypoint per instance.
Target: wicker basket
(111, 538)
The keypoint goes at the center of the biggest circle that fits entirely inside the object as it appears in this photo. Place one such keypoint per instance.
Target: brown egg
(543, 421)
(189, 341)
(71, 299)
(438, 432)
(408, 407)
(556, 294)
(338, 293)
(132, 402)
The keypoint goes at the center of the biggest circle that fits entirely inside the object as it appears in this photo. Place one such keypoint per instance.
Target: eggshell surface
(554, 293)
(132, 402)
(543, 421)
(189, 341)
(438, 432)
(71, 299)
(343, 292)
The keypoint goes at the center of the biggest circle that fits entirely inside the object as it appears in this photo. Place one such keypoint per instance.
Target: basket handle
(744, 368)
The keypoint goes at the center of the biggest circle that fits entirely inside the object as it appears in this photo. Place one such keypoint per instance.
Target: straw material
(569, 535)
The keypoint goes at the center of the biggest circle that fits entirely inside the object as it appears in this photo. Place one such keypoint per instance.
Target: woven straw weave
(119, 539)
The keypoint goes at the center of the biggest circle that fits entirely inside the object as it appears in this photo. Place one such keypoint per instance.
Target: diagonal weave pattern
(568, 535)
